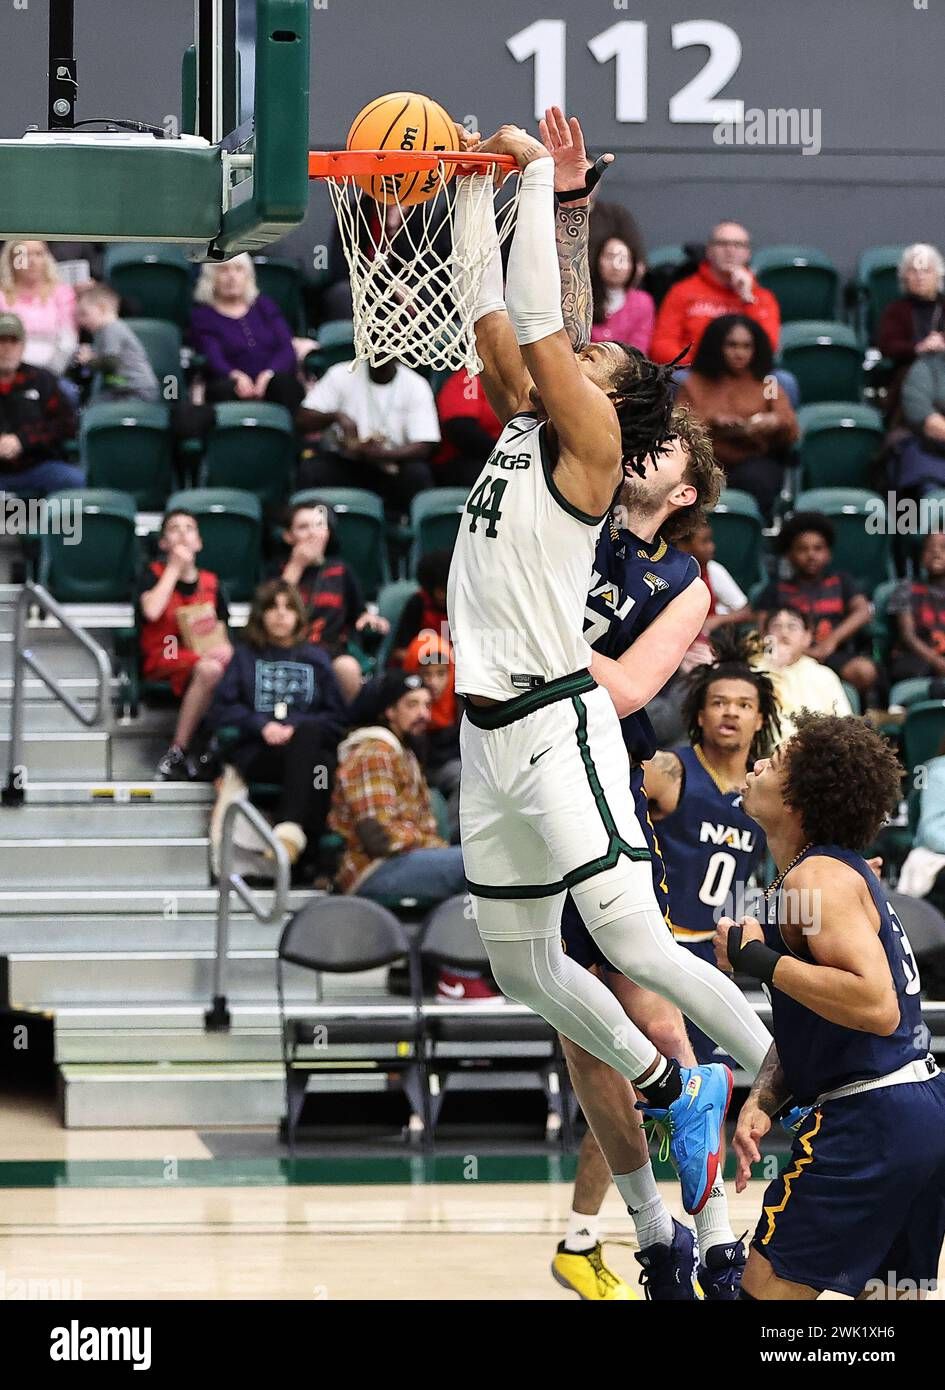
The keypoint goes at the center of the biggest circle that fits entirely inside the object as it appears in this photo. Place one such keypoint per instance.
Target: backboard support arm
(63, 76)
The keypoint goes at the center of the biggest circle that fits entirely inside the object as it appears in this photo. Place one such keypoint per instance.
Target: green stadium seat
(230, 524)
(803, 280)
(440, 812)
(853, 695)
(825, 357)
(736, 529)
(103, 566)
(910, 692)
(252, 447)
(335, 344)
(162, 342)
(362, 533)
(281, 281)
(157, 279)
(861, 550)
(881, 628)
(923, 732)
(435, 516)
(839, 443)
(128, 445)
(876, 284)
(391, 602)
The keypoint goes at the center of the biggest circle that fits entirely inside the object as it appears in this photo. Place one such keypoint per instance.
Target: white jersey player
(545, 803)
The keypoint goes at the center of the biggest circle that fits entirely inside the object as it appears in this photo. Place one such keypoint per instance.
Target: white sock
(712, 1222)
(654, 1225)
(582, 1232)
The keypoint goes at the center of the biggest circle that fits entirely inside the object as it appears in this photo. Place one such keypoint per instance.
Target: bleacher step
(48, 863)
(103, 791)
(147, 901)
(49, 979)
(104, 819)
(137, 932)
(168, 1095)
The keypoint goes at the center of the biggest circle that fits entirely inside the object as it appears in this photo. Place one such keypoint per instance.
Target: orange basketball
(403, 121)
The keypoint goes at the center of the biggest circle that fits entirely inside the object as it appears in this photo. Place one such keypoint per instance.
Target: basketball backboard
(225, 33)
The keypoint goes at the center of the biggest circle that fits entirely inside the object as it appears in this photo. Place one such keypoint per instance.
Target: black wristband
(591, 181)
(754, 959)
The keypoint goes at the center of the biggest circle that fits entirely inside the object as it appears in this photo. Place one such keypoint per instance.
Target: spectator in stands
(430, 657)
(723, 284)
(838, 610)
(800, 681)
(621, 312)
(918, 466)
(329, 590)
(115, 356)
(750, 418)
(469, 427)
(917, 607)
(36, 420)
(244, 338)
(728, 604)
(425, 611)
(613, 220)
(381, 809)
(280, 694)
(382, 431)
(914, 325)
(31, 288)
(399, 240)
(183, 638)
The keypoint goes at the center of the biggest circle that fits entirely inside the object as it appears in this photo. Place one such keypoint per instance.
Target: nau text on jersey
(730, 835)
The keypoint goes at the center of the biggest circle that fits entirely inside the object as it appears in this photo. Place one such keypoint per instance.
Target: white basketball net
(413, 298)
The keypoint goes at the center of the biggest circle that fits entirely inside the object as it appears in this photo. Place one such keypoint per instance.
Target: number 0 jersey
(710, 846)
(520, 572)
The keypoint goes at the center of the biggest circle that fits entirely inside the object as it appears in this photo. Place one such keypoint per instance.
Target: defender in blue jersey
(860, 1210)
(704, 849)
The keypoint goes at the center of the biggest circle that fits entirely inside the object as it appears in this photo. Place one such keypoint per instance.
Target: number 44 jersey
(520, 572)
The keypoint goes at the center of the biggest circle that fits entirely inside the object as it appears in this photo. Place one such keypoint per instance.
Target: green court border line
(317, 1171)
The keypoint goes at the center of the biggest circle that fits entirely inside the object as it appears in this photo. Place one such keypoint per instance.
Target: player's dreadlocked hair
(732, 663)
(642, 394)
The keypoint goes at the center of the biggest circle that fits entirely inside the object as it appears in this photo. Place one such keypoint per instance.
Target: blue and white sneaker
(793, 1119)
(669, 1271)
(692, 1129)
(720, 1274)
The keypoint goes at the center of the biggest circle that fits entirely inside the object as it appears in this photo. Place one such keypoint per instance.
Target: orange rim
(339, 164)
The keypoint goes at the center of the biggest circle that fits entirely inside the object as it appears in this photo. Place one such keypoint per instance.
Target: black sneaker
(173, 766)
(720, 1274)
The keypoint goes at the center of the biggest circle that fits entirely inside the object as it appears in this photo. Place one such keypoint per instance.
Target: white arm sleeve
(474, 236)
(533, 286)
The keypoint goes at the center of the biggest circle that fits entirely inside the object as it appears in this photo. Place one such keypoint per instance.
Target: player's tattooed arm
(770, 1092)
(662, 782)
(577, 299)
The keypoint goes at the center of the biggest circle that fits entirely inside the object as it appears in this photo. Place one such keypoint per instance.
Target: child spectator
(116, 356)
(425, 611)
(430, 657)
(183, 636)
(280, 694)
(329, 590)
(36, 420)
(621, 313)
(832, 599)
(800, 681)
(918, 606)
(728, 605)
(381, 809)
(469, 427)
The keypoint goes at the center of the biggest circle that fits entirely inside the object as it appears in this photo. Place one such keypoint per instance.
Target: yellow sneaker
(588, 1276)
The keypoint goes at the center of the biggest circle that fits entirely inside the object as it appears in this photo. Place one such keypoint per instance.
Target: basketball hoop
(413, 296)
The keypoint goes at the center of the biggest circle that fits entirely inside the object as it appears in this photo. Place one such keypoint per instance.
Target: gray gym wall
(872, 69)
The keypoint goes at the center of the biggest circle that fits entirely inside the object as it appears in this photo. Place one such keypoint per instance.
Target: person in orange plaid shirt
(381, 809)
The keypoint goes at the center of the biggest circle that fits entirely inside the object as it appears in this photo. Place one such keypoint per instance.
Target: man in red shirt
(723, 284)
(469, 428)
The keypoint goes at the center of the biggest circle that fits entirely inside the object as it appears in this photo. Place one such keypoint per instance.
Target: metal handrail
(34, 595)
(217, 1017)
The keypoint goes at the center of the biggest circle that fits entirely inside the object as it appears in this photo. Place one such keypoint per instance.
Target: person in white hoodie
(800, 682)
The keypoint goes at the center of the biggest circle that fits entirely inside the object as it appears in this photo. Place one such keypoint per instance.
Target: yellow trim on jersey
(697, 749)
(806, 1142)
(691, 934)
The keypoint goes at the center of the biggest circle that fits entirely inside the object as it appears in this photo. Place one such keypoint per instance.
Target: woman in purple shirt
(621, 313)
(244, 338)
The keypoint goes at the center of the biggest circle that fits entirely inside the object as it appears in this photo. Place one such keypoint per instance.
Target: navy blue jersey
(633, 581)
(711, 847)
(817, 1056)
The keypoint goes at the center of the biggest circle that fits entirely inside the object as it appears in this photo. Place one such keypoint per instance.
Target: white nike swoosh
(451, 991)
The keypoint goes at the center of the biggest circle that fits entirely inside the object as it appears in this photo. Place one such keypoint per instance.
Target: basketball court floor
(152, 1214)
